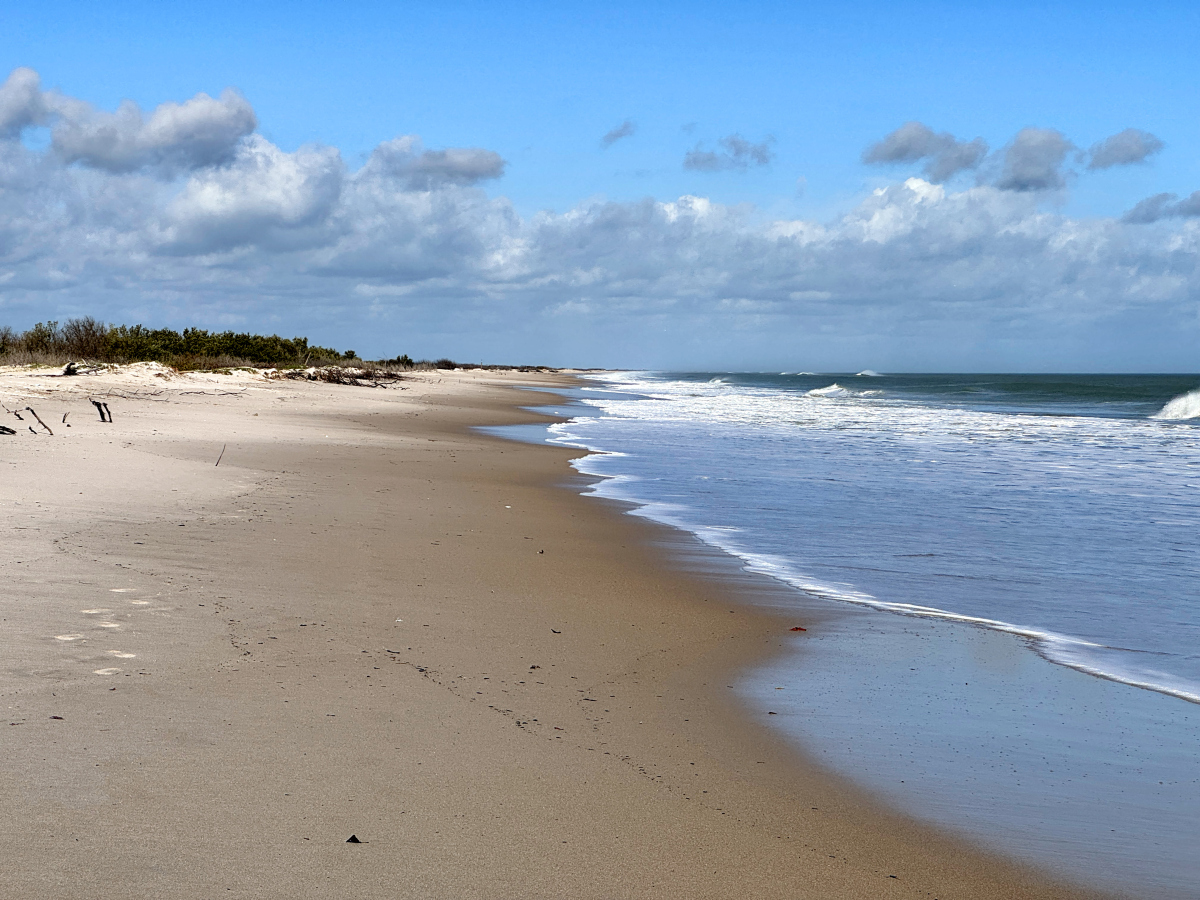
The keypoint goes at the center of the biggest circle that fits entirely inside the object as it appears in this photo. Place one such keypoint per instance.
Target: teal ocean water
(1016, 564)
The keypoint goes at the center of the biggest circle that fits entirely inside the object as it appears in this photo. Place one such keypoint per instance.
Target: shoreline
(968, 729)
(252, 747)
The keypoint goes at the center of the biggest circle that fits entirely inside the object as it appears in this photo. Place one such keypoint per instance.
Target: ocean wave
(921, 431)
(1185, 406)
(867, 373)
(836, 390)
(1089, 657)
(833, 390)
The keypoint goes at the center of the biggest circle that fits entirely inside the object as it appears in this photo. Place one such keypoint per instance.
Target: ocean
(1007, 569)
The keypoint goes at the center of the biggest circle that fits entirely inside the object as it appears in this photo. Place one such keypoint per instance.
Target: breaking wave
(1185, 406)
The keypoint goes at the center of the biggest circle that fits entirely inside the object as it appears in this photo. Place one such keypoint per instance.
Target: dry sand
(370, 620)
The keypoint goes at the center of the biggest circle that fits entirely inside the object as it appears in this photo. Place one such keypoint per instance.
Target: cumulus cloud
(624, 130)
(298, 238)
(736, 153)
(1164, 206)
(944, 154)
(21, 104)
(202, 131)
(1034, 160)
(1125, 148)
(405, 158)
(409, 254)
(264, 197)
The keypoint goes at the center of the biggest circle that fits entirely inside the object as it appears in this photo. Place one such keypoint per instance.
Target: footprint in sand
(140, 602)
(106, 671)
(68, 637)
(120, 654)
(108, 625)
(94, 612)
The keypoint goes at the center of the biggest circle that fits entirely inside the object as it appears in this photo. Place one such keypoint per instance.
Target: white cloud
(409, 254)
(175, 137)
(202, 131)
(21, 103)
(626, 129)
(264, 197)
(944, 154)
(406, 159)
(1125, 148)
(1033, 160)
(736, 153)
(1164, 206)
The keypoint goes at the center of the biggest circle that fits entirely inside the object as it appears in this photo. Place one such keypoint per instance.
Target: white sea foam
(833, 390)
(1185, 406)
(1141, 454)
(1075, 653)
(868, 373)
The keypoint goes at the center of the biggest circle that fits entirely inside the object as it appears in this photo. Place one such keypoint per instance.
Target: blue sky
(540, 84)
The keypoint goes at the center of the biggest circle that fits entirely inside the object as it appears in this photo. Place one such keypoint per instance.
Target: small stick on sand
(218, 462)
(102, 408)
(29, 409)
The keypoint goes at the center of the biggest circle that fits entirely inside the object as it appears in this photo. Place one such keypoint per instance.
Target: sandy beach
(371, 620)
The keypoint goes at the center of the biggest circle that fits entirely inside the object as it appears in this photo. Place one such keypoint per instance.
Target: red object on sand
(798, 628)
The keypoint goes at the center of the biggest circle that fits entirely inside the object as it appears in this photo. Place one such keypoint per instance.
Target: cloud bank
(175, 222)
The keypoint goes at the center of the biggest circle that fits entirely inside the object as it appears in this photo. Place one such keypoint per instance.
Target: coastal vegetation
(87, 339)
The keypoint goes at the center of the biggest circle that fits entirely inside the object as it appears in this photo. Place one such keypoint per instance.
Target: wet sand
(371, 620)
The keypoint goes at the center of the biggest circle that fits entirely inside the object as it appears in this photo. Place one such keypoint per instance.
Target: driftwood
(343, 375)
(222, 454)
(83, 367)
(4, 429)
(134, 395)
(29, 409)
(102, 408)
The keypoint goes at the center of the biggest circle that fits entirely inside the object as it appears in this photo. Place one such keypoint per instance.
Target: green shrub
(88, 338)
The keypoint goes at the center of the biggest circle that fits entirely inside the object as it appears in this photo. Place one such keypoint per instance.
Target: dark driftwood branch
(29, 409)
(218, 462)
(134, 395)
(4, 429)
(102, 408)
